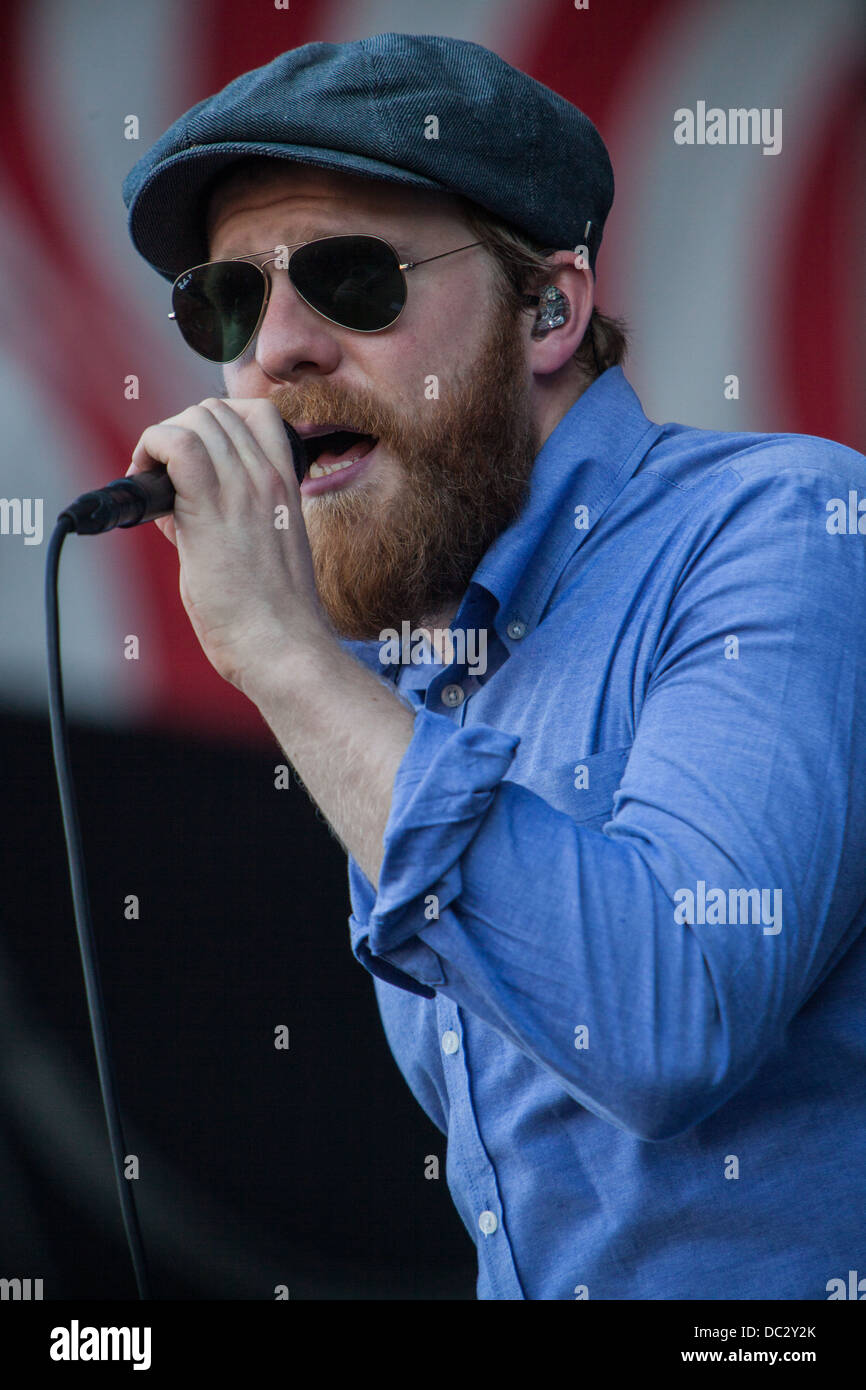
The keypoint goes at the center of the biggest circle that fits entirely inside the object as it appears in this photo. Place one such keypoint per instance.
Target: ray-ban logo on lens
(466, 646)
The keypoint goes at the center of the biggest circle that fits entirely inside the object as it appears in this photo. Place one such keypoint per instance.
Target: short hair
(523, 267)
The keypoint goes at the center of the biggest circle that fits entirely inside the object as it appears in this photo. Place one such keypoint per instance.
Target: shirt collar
(583, 464)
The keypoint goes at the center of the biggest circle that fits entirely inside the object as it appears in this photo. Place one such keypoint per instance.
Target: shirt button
(450, 1042)
(488, 1223)
(452, 695)
(516, 629)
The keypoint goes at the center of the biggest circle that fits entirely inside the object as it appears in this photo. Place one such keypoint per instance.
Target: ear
(574, 279)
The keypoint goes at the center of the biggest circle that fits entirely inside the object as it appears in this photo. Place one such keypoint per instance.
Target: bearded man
(611, 888)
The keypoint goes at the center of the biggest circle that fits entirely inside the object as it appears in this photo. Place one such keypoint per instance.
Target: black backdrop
(258, 1167)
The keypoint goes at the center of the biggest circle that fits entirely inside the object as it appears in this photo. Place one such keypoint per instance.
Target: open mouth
(333, 450)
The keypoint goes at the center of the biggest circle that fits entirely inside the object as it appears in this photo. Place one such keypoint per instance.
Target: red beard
(466, 461)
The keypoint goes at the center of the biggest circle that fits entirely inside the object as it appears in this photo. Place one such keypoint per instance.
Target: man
(607, 840)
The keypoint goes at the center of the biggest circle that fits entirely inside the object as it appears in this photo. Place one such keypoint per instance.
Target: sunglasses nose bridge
(288, 334)
(283, 263)
(268, 267)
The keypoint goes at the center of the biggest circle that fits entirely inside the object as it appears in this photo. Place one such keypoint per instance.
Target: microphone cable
(81, 905)
(126, 502)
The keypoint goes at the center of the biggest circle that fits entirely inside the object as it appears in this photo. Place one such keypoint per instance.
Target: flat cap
(499, 138)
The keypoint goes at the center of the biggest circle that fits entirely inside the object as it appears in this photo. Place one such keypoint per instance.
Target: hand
(247, 586)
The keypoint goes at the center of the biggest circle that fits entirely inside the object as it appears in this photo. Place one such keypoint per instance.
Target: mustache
(361, 411)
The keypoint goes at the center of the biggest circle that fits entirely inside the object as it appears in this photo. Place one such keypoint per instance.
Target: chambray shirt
(617, 943)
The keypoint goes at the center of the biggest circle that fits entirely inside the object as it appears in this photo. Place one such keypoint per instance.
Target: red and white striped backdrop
(722, 259)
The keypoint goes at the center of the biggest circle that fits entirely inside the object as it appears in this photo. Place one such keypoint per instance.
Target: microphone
(144, 496)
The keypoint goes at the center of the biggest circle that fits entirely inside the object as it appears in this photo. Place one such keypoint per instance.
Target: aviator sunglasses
(356, 282)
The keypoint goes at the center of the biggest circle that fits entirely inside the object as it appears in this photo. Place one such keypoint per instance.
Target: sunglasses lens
(354, 280)
(217, 307)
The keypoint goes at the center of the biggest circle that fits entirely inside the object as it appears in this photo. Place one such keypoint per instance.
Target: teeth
(318, 470)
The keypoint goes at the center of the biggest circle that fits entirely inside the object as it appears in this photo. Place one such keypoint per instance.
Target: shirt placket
(476, 1176)
(448, 693)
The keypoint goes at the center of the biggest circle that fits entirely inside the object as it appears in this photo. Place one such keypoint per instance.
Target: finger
(266, 424)
(142, 461)
(200, 458)
(185, 457)
(247, 453)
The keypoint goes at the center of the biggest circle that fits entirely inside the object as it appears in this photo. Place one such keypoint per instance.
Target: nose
(293, 339)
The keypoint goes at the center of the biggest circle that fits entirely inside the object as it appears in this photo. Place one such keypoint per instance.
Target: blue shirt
(617, 943)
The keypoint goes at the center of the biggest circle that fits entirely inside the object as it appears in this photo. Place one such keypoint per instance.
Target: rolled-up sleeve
(444, 786)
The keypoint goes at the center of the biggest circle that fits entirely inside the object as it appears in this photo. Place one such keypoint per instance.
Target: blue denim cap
(505, 141)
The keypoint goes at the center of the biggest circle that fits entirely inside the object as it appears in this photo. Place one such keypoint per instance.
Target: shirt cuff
(446, 781)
